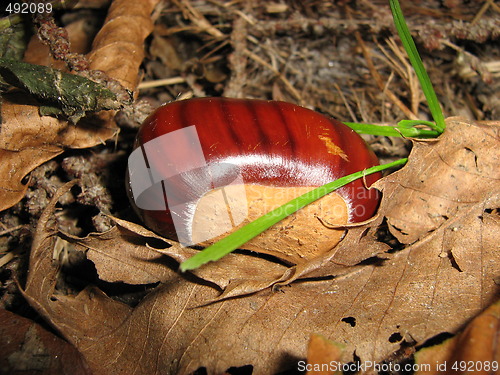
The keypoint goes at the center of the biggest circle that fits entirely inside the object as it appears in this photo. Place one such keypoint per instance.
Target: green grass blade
(249, 231)
(416, 62)
(412, 123)
(402, 130)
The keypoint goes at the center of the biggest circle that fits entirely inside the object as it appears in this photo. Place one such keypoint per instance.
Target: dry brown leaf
(443, 179)
(263, 329)
(121, 256)
(28, 140)
(20, 151)
(475, 350)
(359, 244)
(414, 294)
(132, 254)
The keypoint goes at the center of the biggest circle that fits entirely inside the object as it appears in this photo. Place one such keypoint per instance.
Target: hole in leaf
(291, 365)
(375, 260)
(395, 337)
(156, 243)
(200, 371)
(475, 156)
(315, 279)
(350, 320)
(25, 179)
(350, 367)
(78, 273)
(243, 370)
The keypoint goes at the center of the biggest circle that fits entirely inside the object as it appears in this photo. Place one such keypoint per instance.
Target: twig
(405, 71)
(483, 9)
(9, 230)
(378, 79)
(346, 103)
(161, 82)
(238, 59)
(198, 19)
(6, 258)
(264, 63)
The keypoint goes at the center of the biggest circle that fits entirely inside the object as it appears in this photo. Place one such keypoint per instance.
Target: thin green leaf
(390, 131)
(412, 123)
(416, 62)
(256, 227)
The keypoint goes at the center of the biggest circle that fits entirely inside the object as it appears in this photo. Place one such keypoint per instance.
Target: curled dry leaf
(411, 295)
(117, 48)
(27, 139)
(121, 256)
(474, 350)
(321, 355)
(132, 254)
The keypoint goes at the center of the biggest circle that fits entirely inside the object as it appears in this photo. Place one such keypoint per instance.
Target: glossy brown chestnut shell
(273, 144)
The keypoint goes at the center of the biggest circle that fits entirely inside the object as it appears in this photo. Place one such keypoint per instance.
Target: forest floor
(341, 58)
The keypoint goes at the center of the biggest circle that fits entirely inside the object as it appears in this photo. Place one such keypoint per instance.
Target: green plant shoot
(418, 66)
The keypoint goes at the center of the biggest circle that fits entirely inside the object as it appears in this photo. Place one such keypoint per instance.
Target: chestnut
(204, 167)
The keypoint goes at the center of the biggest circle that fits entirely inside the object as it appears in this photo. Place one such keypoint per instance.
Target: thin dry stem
(195, 16)
(281, 77)
(379, 81)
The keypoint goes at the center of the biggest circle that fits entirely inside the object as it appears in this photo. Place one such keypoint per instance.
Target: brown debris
(426, 264)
